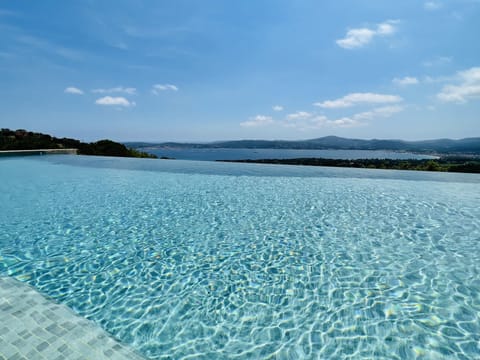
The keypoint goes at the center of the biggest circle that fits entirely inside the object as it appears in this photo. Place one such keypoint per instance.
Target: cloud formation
(357, 99)
(360, 37)
(259, 120)
(303, 120)
(299, 115)
(314, 122)
(432, 5)
(468, 87)
(118, 89)
(344, 122)
(73, 90)
(157, 88)
(407, 80)
(438, 61)
(277, 108)
(380, 112)
(359, 119)
(115, 101)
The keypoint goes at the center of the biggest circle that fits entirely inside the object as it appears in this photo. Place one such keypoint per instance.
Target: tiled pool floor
(33, 327)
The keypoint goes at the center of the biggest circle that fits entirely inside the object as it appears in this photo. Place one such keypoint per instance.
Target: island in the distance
(27, 140)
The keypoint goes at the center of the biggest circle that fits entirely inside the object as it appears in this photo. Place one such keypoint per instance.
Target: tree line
(26, 140)
(450, 164)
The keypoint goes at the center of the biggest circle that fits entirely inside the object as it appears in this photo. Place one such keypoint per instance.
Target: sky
(256, 69)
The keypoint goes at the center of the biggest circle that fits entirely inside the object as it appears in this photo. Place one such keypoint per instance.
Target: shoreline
(443, 164)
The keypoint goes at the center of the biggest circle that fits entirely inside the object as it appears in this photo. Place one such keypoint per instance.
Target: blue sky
(264, 69)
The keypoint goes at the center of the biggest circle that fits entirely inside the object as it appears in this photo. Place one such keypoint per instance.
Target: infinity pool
(198, 260)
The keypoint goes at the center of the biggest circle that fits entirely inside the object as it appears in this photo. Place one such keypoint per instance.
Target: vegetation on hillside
(450, 164)
(27, 140)
(439, 146)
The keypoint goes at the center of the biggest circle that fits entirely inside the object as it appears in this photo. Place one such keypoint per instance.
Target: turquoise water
(197, 260)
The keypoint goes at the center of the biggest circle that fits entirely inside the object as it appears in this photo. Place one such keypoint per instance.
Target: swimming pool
(185, 259)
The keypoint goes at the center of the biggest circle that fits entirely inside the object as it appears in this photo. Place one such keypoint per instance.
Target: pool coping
(32, 326)
(38, 152)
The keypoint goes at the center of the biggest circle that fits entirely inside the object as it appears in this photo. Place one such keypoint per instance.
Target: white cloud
(259, 120)
(468, 87)
(114, 101)
(73, 90)
(471, 75)
(277, 108)
(318, 121)
(310, 121)
(360, 118)
(386, 28)
(315, 122)
(118, 89)
(432, 5)
(304, 120)
(438, 61)
(381, 112)
(299, 115)
(438, 79)
(357, 38)
(359, 98)
(407, 80)
(344, 122)
(157, 88)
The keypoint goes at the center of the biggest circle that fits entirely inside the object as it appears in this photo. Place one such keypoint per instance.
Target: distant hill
(27, 140)
(439, 146)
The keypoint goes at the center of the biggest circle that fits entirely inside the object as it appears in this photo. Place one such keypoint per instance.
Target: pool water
(197, 260)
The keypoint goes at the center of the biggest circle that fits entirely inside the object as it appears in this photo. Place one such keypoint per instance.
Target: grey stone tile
(67, 325)
(19, 343)
(18, 356)
(8, 350)
(109, 353)
(62, 348)
(5, 306)
(42, 346)
(32, 354)
(33, 327)
(40, 332)
(19, 313)
(55, 329)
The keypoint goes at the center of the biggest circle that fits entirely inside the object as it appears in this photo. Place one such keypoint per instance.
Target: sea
(255, 154)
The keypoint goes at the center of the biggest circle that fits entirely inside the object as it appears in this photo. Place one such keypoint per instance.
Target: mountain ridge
(443, 146)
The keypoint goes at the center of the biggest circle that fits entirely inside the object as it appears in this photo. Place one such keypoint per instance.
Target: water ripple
(241, 267)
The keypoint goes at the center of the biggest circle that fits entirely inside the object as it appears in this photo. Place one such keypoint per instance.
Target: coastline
(442, 164)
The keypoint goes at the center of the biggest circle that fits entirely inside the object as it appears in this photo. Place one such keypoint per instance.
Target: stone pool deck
(34, 327)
